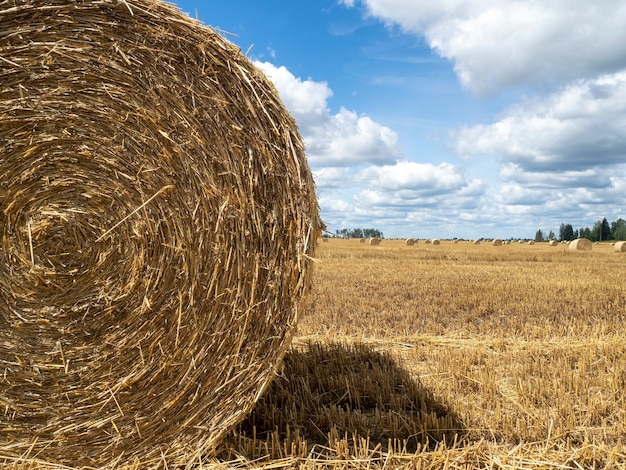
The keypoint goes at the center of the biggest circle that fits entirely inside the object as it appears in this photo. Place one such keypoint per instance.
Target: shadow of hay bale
(348, 391)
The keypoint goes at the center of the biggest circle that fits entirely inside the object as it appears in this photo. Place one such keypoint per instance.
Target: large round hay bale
(409, 241)
(553, 243)
(374, 241)
(620, 247)
(496, 242)
(435, 241)
(157, 225)
(581, 244)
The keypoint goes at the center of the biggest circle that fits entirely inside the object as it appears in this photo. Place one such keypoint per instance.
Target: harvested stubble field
(519, 350)
(456, 356)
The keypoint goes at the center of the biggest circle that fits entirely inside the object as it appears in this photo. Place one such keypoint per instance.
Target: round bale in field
(374, 241)
(581, 244)
(435, 241)
(157, 227)
(620, 247)
(409, 241)
(553, 243)
(496, 242)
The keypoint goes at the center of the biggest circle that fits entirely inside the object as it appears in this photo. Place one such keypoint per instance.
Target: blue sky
(457, 118)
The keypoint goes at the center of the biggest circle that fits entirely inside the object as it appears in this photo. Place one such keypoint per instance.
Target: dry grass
(457, 357)
(520, 350)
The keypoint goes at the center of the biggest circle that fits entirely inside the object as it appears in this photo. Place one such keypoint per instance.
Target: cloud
(335, 208)
(305, 99)
(499, 44)
(411, 185)
(342, 139)
(589, 178)
(403, 198)
(331, 178)
(517, 195)
(419, 179)
(570, 137)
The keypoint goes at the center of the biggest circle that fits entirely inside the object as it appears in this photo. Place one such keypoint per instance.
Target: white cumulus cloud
(495, 44)
(419, 178)
(574, 134)
(412, 184)
(341, 139)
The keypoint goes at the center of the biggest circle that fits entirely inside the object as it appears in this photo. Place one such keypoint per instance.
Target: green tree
(539, 236)
(566, 232)
(618, 229)
(359, 233)
(601, 231)
(372, 232)
(551, 235)
(605, 230)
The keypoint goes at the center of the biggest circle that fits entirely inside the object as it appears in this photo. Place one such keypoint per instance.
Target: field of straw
(455, 356)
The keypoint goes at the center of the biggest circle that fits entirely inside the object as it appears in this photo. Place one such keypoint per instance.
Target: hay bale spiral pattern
(157, 219)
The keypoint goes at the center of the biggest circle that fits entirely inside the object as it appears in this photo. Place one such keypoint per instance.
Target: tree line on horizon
(601, 231)
(358, 233)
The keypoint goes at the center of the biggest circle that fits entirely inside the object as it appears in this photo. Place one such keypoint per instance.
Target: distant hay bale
(427, 241)
(476, 242)
(531, 242)
(581, 244)
(435, 241)
(409, 241)
(553, 243)
(455, 241)
(374, 241)
(620, 247)
(362, 240)
(496, 242)
(157, 228)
